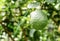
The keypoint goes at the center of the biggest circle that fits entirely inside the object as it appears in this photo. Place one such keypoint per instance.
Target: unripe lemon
(38, 19)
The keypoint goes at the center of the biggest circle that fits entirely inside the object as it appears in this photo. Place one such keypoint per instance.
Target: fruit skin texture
(38, 19)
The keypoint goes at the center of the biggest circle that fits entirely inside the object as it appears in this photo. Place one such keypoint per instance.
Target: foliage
(30, 20)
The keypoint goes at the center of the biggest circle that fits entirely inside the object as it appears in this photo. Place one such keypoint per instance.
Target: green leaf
(57, 6)
(38, 19)
(33, 5)
(50, 1)
(36, 36)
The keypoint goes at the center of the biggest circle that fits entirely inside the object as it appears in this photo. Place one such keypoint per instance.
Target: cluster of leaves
(15, 19)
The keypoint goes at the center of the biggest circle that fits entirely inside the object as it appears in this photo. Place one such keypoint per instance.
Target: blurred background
(15, 20)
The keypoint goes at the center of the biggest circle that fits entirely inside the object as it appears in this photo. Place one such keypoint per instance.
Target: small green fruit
(38, 19)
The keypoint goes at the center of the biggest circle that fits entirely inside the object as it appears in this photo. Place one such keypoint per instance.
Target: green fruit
(38, 19)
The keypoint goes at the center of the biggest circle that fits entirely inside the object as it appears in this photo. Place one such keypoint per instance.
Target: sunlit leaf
(33, 5)
(38, 19)
(50, 1)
